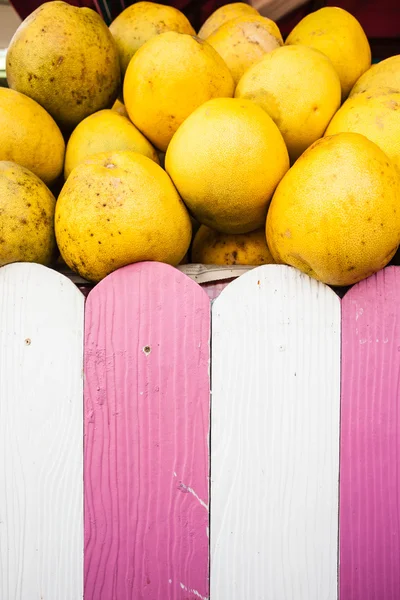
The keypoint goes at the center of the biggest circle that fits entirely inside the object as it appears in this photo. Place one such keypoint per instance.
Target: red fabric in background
(378, 19)
(196, 11)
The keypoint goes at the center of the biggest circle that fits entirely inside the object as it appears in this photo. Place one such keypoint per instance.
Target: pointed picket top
(147, 333)
(370, 441)
(275, 438)
(41, 434)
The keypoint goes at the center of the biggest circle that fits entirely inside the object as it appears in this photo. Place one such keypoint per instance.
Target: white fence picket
(275, 438)
(41, 435)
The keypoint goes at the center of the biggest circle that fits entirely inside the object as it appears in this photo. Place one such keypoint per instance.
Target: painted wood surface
(214, 289)
(41, 435)
(370, 440)
(275, 438)
(146, 436)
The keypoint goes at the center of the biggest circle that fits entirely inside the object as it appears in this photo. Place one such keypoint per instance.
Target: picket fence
(121, 480)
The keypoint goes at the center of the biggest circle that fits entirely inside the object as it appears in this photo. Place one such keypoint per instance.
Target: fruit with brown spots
(375, 114)
(105, 131)
(29, 136)
(337, 34)
(167, 79)
(336, 213)
(116, 209)
(299, 88)
(385, 74)
(226, 160)
(142, 21)
(223, 14)
(213, 248)
(26, 217)
(243, 41)
(66, 59)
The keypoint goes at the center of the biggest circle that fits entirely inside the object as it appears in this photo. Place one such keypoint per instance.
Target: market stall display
(199, 341)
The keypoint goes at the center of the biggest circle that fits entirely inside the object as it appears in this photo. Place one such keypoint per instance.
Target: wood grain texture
(275, 438)
(146, 436)
(41, 435)
(370, 440)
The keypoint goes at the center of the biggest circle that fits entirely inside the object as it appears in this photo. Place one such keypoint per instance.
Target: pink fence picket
(146, 436)
(370, 441)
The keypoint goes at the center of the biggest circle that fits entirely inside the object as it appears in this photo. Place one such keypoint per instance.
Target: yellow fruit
(375, 115)
(226, 161)
(29, 136)
(336, 214)
(116, 209)
(104, 131)
(299, 88)
(142, 21)
(336, 33)
(27, 217)
(66, 59)
(223, 14)
(213, 248)
(384, 74)
(167, 79)
(244, 41)
(119, 107)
